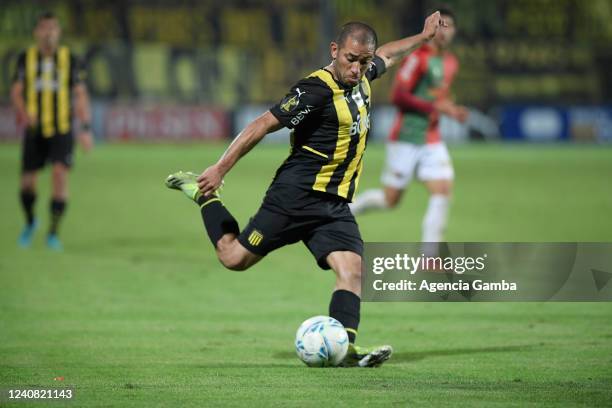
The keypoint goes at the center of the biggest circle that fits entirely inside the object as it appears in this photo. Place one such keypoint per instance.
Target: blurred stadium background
(201, 69)
(137, 311)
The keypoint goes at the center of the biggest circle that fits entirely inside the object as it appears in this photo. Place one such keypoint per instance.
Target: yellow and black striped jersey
(330, 123)
(48, 83)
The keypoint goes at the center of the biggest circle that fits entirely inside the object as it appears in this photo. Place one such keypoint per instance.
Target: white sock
(370, 199)
(434, 222)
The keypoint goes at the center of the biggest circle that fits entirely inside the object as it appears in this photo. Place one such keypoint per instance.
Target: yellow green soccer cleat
(186, 182)
(366, 357)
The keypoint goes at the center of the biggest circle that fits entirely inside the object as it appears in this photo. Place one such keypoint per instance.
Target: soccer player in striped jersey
(48, 87)
(329, 114)
(421, 93)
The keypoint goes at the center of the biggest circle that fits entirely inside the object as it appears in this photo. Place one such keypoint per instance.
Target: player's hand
(449, 108)
(432, 23)
(23, 119)
(444, 106)
(461, 113)
(86, 140)
(210, 180)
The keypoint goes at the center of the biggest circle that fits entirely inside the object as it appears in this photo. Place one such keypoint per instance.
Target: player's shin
(345, 307)
(218, 221)
(57, 208)
(28, 198)
(434, 222)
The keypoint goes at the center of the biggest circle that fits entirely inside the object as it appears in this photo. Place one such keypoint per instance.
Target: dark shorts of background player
(38, 150)
(288, 214)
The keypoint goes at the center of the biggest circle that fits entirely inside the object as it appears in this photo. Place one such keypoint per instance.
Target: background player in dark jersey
(421, 93)
(47, 82)
(329, 114)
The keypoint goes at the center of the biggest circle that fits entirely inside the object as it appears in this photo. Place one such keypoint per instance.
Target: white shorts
(427, 162)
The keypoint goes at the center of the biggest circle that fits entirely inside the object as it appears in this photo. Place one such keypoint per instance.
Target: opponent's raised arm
(394, 51)
(212, 177)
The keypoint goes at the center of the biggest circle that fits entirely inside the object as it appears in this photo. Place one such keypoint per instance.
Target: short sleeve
(302, 103)
(77, 72)
(19, 74)
(377, 68)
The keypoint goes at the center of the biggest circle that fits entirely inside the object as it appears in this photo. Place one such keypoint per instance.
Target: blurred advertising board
(383, 118)
(159, 122)
(591, 124)
(8, 125)
(117, 122)
(552, 123)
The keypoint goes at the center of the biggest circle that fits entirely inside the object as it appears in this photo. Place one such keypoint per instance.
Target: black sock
(217, 219)
(57, 210)
(28, 198)
(344, 307)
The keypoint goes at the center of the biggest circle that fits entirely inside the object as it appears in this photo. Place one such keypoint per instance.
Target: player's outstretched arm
(394, 51)
(212, 177)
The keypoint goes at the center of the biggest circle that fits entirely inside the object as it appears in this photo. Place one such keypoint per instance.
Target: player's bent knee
(392, 197)
(446, 189)
(235, 257)
(235, 265)
(234, 261)
(59, 174)
(59, 168)
(28, 181)
(440, 187)
(392, 202)
(28, 185)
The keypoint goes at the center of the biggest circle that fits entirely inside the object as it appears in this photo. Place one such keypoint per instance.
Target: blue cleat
(53, 243)
(25, 238)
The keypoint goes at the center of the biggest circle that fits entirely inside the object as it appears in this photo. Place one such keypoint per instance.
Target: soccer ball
(321, 341)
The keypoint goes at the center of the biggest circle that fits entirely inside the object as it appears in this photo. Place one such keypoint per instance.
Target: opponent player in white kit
(421, 92)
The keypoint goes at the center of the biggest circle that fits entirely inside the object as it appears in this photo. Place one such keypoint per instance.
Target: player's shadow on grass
(250, 365)
(120, 243)
(410, 356)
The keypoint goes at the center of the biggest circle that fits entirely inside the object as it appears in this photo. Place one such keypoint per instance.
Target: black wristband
(85, 127)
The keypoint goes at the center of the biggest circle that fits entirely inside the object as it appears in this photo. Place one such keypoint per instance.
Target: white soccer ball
(321, 341)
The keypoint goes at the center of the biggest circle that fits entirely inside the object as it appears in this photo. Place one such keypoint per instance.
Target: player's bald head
(358, 32)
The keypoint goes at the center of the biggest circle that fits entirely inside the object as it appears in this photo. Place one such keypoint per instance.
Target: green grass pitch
(138, 312)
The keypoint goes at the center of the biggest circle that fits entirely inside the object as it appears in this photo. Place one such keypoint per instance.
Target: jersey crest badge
(291, 101)
(255, 238)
